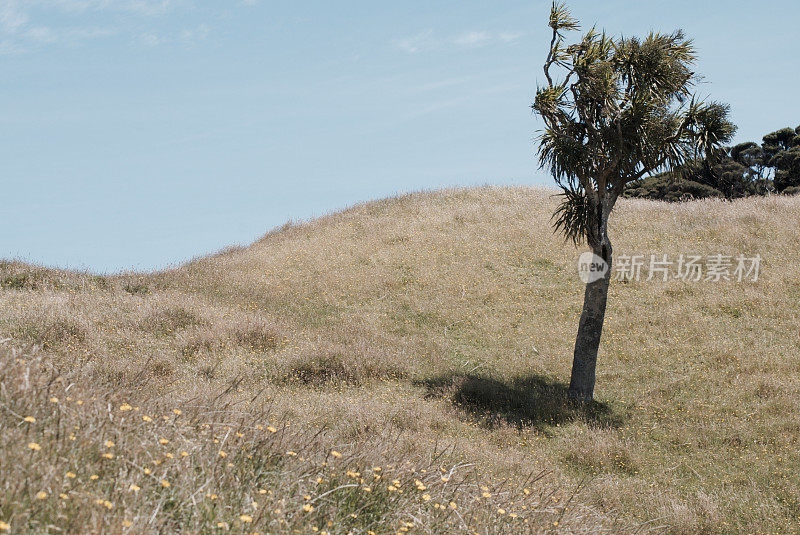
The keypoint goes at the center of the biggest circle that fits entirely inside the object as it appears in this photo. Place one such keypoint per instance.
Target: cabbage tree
(614, 110)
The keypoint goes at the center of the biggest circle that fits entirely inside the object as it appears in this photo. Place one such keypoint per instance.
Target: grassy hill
(425, 340)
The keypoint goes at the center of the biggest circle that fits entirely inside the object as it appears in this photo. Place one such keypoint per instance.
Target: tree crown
(615, 110)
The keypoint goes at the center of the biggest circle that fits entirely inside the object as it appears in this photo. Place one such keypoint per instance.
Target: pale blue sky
(139, 133)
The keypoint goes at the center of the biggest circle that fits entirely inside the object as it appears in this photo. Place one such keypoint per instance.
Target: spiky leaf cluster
(615, 110)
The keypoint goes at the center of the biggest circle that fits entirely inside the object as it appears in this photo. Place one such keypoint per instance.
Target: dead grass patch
(169, 321)
(335, 366)
(595, 451)
(258, 337)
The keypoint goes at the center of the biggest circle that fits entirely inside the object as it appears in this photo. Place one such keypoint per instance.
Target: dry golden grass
(78, 457)
(431, 322)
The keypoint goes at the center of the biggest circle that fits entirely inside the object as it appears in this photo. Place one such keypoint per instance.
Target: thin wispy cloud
(19, 30)
(416, 43)
(509, 37)
(426, 40)
(473, 39)
(185, 37)
(8, 48)
(45, 35)
(23, 27)
(12, 17)
(140, 7)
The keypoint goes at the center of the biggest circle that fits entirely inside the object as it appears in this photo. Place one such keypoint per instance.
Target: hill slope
(447, 319)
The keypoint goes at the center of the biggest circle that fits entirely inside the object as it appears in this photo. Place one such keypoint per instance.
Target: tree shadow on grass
(529, 401)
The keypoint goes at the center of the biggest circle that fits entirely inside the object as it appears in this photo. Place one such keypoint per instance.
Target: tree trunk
(587, 342)
(590, 327)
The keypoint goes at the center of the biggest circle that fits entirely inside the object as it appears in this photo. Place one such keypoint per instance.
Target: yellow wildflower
(41, 495)
(34, 446)
(30, 419)
(245, 518)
